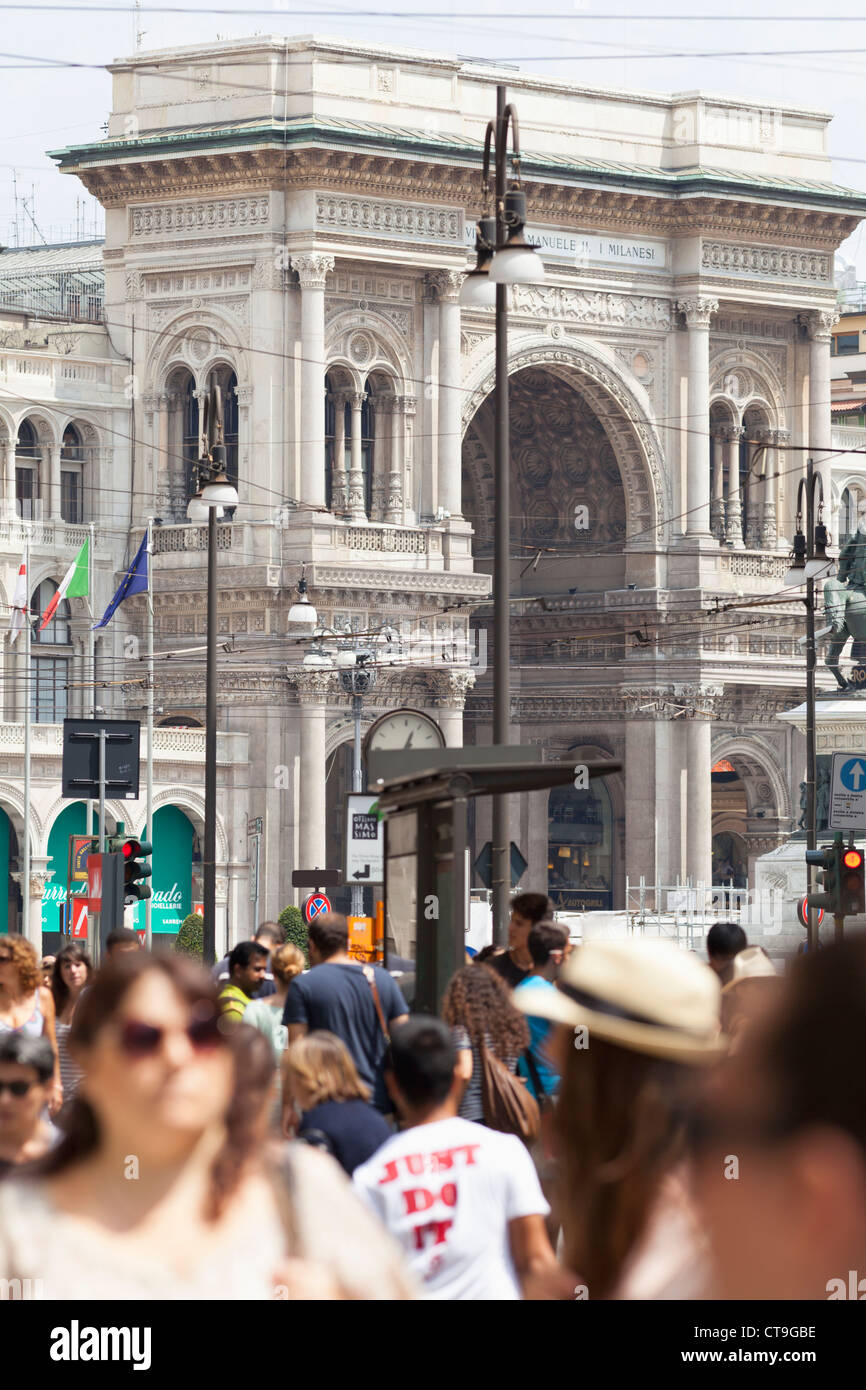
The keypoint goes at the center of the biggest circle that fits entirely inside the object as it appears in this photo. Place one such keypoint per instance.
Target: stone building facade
(293, 218)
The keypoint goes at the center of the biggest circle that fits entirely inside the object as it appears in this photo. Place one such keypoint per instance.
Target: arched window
(49, 669)
(848, 509)
(27, 459)
(330, 438)
(72, 476)
(367, 429)
(230, 425)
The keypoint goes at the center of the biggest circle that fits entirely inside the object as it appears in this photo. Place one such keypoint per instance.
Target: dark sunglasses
(17, 1088)
(144, 1039)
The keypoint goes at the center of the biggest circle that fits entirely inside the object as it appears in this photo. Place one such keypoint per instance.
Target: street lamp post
(810, 562)
(214, 492)
(504, 258)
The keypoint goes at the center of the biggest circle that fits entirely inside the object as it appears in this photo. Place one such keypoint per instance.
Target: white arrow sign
(847, 810)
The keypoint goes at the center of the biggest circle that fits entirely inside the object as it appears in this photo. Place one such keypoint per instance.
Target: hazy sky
(763, 50)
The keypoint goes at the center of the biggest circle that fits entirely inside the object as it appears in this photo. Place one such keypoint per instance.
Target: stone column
(383, 407)
(8, 499)
(765, 487)
(717, 504)
(313, 269)
(313, 688)
(51, 457)
(699, 822)
(733, 500)
(698, 310)
(339, 476)
(357, 499)
(394, 512)
(447, 285)
(819, 323)
(773, 518)
(754, 493)
(162, 472)
(453, 686)
(31, 901)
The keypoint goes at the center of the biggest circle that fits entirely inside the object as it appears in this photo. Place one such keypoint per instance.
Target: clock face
(406, 728)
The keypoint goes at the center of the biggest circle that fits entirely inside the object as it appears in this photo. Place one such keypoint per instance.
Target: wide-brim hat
(649, 996)
(752, 963)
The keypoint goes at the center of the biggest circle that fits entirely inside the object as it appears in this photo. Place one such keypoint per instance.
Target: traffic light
(829, 861)
(136, 868)
(853, 882)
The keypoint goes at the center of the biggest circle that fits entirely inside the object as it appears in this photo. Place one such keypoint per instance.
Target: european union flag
(135, 581)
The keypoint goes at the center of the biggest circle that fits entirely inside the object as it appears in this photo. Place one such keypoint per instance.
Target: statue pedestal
(780, 876)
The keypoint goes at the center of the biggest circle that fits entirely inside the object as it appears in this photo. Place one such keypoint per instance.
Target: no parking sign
(316, 906)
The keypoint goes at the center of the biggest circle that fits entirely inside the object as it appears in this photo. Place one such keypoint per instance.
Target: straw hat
(650, 996)
(752, 963)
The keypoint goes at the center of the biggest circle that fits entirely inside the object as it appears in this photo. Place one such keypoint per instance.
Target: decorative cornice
(381, 217)
(592, 306)
(767, 262)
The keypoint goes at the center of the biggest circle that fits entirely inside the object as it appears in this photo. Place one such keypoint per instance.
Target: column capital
(819, 323)
(452, 688)
(445, 285)
(314, 687)
(781, 436)
(313, 268)
(697, 309)
(731, 434)
(764, 435)
(701, 701)
(356, 399)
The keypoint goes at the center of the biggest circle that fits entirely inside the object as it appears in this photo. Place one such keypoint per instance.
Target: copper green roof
(405, 142)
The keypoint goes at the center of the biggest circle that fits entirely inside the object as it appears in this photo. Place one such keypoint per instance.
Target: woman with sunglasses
(26, 1006)
(161, 1186)
(26, 1074)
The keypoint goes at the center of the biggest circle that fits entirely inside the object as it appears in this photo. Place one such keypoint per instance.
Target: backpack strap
(370, 977)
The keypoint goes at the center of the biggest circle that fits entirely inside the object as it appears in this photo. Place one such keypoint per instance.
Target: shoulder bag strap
(535, 1078)
(370, 977)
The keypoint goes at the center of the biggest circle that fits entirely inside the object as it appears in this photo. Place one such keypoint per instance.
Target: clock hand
(408, 743)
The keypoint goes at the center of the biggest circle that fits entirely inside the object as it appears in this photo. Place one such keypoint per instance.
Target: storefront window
(580, 854)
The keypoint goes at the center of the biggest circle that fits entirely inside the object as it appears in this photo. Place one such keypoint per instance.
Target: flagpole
(148, 835)
(25, 856)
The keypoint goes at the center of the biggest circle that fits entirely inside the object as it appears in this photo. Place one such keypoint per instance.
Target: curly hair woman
(478, 1009)
(26, 1006)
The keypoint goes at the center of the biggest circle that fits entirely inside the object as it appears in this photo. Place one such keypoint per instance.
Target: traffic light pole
(811, 751)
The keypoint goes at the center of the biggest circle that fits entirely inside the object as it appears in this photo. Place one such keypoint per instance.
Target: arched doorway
(72, 820)
(10, 897)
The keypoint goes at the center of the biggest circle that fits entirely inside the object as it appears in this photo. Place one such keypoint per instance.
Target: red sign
(142, 937)
(803, 913)
(79, 919)
(315, 906)
(94, 882)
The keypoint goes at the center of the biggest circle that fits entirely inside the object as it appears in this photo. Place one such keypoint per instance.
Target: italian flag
(74, 584)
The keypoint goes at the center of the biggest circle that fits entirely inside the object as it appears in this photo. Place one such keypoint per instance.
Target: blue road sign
(853, 774)
(315, 906)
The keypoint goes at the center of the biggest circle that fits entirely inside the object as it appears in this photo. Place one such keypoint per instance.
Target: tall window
(330, 437)
(72, 476)
(190, 441)
(27, 460)
(367, 447)
(49, 666)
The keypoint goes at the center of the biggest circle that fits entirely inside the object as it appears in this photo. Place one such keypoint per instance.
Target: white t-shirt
(447, 1191)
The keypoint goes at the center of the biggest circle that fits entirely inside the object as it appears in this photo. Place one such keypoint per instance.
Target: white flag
(19, 602)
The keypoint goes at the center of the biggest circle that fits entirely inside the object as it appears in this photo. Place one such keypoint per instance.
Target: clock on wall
(404, 728)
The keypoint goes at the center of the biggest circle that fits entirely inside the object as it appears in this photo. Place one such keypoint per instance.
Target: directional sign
(79, 919)
(848, 792)
(94, 882)
(315, 906)
(365, 840)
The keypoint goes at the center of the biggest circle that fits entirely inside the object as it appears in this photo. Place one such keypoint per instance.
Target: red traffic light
(852, 859)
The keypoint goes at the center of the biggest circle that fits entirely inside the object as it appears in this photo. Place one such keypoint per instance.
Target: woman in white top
(161, 1187)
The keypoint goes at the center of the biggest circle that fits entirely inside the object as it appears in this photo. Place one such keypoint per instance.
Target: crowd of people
(616, 1120)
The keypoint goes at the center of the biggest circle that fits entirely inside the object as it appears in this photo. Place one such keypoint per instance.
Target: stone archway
(751, 804)
(623, 414)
